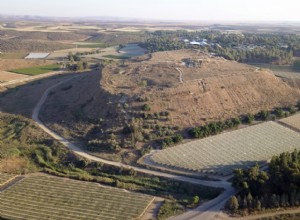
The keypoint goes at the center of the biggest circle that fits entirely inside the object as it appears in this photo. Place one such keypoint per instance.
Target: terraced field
(292, 121)
(222, 153)
(4, 178)
(45, 197)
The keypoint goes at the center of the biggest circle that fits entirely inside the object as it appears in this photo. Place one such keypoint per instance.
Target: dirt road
(30, 78)
(206, 211)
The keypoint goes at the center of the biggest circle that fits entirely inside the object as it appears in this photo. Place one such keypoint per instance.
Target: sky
(196, 10)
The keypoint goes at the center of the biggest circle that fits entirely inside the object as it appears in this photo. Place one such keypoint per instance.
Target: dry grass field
(46, 197)
(222, 153)
(10, 64)
(212, 88)
(8, 76)
(4, 178)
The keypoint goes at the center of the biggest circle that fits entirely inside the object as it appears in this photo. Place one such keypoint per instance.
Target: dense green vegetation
(279, 187)
(162, 44)
(116, 57)
(36, 70)
(246, 47)
(213, 128)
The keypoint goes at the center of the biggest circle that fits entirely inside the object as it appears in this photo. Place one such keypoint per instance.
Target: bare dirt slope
(183, 89)
(212, 88)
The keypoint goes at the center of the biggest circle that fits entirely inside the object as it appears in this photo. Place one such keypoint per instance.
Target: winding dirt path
(207, 211)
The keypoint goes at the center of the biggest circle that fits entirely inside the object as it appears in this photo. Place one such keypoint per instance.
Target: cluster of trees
(257, 55)
(279, 187)
(162, 44)
(106, 142)
(264, 115)
(267, 48)
(169, 141)
(213, 128)
(75, 63)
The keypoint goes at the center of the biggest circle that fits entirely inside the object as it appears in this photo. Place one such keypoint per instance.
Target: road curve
(207, 211)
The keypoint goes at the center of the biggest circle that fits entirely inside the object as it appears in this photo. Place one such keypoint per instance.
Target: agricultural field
(37, 70)
(222, 153)
(292, 121)
(89, 45)
(7, 76)
(64, 53)
(4, 178)
(46, 197)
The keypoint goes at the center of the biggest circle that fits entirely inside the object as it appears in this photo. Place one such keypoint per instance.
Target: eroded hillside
(196, 88)
(133, 104)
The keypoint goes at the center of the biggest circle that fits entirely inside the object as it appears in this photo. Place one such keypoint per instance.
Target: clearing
(46, 197)
(222, 153)
(36, 70)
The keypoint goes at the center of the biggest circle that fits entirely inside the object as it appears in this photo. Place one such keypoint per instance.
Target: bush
(169, 208)
(146, 107)
(248, 119)
(279, 112)
(263, 115)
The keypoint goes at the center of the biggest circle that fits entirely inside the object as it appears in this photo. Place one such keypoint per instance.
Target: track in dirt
(206, 211)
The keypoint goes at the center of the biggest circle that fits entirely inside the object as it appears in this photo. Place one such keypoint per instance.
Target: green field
(100, 45)
(116, 57)
(37, 70)
(47, 197)
(89, 45)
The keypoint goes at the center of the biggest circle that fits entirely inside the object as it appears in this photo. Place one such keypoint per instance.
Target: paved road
(207, 211)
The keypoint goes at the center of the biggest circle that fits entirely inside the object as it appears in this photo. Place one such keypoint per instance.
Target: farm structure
(37, 56)
(45, 197)
(222, 153)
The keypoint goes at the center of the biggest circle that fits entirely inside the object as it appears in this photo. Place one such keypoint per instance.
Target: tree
(85, 65)
(258, 205)
(196, 199)
(146, 107)
(233, 204)
(249, 118)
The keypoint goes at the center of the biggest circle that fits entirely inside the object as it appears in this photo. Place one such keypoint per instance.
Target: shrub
(248, 119)
(146, 107)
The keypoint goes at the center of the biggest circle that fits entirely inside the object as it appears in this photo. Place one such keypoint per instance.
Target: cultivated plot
(222, 153)
(46, 197)
(4, 178)
(292, 121)
(36, 70)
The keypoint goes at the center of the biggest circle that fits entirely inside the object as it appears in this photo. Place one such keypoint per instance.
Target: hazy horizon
(214, 10)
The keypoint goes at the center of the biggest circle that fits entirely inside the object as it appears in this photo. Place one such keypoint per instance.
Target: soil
(10, 64)
(193, 87)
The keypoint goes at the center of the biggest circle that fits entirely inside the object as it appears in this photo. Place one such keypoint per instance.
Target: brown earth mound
(192, 86)
(195, 87)
(182, 89)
